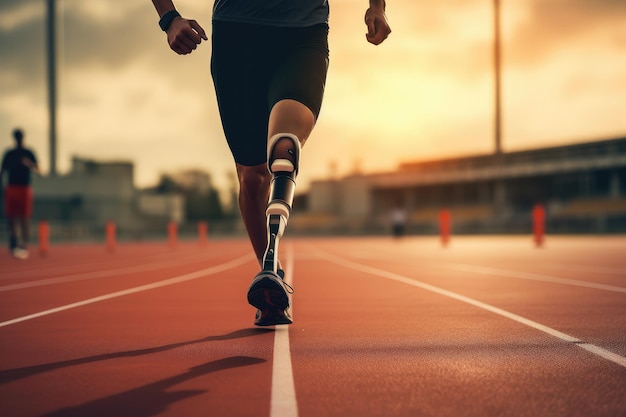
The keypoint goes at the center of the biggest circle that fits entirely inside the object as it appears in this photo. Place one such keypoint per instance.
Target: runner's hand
(185, 35)
(377, 26)
(27, 162)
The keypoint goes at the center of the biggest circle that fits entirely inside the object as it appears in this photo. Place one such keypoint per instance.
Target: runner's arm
(377, 26)
(3, 170)
(183, 35)
(31, 162)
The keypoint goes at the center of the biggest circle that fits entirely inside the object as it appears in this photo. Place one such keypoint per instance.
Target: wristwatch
(167, 18)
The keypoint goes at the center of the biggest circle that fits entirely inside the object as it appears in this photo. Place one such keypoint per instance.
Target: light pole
(52, 99)
(496, 64)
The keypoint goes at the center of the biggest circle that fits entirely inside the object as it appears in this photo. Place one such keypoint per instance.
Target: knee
(253, 179)
(293, 117)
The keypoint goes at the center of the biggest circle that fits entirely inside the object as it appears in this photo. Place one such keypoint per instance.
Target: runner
(18, 194)
(269, 63)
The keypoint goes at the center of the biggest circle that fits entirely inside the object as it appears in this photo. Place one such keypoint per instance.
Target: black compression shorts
(254, 67)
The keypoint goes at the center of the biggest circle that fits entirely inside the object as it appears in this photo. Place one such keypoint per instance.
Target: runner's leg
(254, 185)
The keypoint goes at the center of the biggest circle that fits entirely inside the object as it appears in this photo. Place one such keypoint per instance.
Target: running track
(490, 326)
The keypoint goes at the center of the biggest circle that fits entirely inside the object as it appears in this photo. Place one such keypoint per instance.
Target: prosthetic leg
(268, 292)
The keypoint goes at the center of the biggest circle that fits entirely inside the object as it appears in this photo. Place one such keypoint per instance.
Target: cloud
(14, 13)
(109, 40)
(543, 28)
(427, 90)
(89, 35)
(452, 37)
(116, 78)
(22, 52)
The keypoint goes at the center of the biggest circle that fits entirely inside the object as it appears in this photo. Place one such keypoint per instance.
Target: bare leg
(268, 292)
(287, 116)
(25, 223)
(254, 186)
(290, 116)
(12, 232)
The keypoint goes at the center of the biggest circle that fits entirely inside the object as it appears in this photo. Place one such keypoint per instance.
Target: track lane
(371, 340)
(33, 296)
(360, 345)
(93, 259)
(402, 352)
(596, 314)
(188, 346)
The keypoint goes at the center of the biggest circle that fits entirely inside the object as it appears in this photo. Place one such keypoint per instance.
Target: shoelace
(281, 275)
(288, 287)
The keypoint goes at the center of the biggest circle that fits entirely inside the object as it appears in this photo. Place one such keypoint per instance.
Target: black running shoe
(270, 295)
(271, 317)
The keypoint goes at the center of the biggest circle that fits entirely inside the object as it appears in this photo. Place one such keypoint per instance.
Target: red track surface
(489, 326)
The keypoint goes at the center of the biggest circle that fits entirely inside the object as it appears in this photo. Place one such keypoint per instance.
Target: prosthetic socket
(282, 191)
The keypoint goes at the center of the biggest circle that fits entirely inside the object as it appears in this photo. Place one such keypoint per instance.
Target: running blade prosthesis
(268, 292)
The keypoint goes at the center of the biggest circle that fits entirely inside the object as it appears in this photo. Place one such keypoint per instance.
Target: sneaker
(270, 295)
(20, 253)
(270, 317)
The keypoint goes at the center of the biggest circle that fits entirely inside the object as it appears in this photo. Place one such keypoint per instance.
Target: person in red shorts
(18, 163)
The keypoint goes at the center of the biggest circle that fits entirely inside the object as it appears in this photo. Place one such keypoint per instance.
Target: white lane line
(283, 401)
(586, 268)
(531, 276)
(606, 354)
(91, 275)
(82, 276)
(60, 271)
(176, 280)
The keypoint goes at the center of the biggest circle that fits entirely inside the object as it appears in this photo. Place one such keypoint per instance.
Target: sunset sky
(426, 93)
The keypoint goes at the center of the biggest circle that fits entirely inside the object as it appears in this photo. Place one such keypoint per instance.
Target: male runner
(269, 63)
(18, 195)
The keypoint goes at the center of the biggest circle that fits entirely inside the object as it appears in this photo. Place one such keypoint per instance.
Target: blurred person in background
(18, 163)
(398, 221)
(269, 63)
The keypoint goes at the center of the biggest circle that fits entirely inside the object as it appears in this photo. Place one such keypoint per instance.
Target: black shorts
(254, 67)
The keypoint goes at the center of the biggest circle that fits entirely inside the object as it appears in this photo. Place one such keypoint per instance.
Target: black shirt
(19, 174)
(282, 13)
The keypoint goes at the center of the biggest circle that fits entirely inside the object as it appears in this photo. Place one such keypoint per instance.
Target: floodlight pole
(52, 98)
(497, 86)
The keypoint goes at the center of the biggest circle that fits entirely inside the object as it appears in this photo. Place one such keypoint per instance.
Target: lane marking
(511, 273)
(532, 276)
(507, 272)
(81, 277)
(48, 270)
(596, 350)
(283, 399)
(103, 273)
(171, 281)
(586, 268)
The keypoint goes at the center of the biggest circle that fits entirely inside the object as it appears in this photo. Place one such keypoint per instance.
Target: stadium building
(582, 187)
